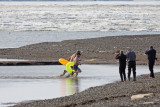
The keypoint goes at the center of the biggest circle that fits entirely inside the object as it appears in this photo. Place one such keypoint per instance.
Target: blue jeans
(76, 68)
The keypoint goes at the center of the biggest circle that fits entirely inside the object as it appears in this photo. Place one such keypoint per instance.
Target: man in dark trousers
(122, 65)
(151, 53)
(131, 57)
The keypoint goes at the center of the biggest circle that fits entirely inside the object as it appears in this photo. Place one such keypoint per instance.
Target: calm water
(14, 39)
(26, 83)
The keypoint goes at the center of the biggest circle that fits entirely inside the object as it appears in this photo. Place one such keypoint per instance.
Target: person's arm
(117, 57)
(146, 52)
(69, 58)
(72, 57)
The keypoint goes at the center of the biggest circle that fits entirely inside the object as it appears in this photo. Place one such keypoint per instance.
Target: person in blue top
(131, 58)
(151, 53)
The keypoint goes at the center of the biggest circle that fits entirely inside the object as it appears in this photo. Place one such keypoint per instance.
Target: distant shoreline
(30, 37)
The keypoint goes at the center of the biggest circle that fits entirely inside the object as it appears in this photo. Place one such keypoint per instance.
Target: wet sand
(94, 51)
(110, 95)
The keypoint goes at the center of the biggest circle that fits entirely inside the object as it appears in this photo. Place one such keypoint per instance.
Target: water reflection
(69, 86)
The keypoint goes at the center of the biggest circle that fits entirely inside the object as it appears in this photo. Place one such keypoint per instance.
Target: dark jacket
(122, 59)
(151, 54)
(131, 56)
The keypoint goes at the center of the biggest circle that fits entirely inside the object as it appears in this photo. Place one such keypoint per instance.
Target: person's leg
(71, 74)
(78, 71)
(153, 70)
(129, 70)
(68, 75)
(134, 70)
(150, 68)
(76, 74)
(151, 64)
(124, 73)
(64, 72)
(120, 73)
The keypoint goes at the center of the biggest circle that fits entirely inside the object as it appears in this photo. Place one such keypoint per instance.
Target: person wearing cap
(151, 53)
(76, 61)
(71, 59)
(122, 65)
(131, 58)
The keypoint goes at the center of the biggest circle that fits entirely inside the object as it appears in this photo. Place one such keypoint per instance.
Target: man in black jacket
(151, 53)
(122, 65)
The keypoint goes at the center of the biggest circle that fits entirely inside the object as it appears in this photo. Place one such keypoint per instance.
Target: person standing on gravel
(131, 58)
(151, 53)
(122, 65)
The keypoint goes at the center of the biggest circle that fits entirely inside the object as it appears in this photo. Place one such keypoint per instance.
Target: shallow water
(3, 59)
(26, 83)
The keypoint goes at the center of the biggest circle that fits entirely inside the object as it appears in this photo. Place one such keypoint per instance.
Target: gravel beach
(97, 51)
(111, 95)
(94, 51)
